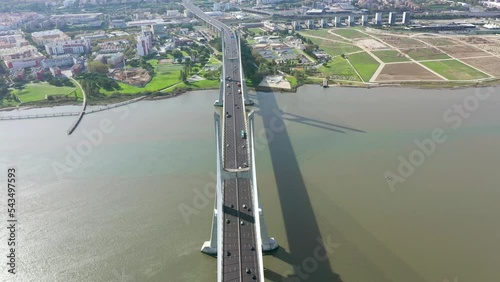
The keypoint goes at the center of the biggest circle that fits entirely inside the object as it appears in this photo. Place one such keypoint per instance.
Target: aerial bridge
(238, 235)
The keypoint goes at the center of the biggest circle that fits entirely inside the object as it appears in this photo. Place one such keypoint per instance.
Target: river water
(128, 196)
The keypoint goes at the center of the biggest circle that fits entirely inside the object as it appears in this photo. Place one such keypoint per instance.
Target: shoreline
(436, 85)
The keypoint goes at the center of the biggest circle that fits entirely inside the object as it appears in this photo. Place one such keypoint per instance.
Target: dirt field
(476, 40)
(401, 42)
(405, 72)
(493, 48)
(371, 44)
(436, 41)
(490, 65)
(420, 54)
(463, 51)
(135, 76)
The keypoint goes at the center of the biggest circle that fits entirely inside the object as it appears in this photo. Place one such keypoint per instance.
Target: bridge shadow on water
(303, 234)
(302, 229)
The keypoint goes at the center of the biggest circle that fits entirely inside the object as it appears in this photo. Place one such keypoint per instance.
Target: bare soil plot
(463, 51)
(404, 72)
(493, 48)
(490, 65)
(371, 44)
(436, 41)
(420, 54)
(134, 76)
(475, 40)
(400, 41)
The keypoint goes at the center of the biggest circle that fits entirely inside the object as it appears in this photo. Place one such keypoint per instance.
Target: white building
(364, 20)
(378, 19)
(392, 18)
(79, 46)
(337, 21)
(49, 36)
(406, 18)
(58, 61)
(217, 6)
(144, 45)
(350, 20)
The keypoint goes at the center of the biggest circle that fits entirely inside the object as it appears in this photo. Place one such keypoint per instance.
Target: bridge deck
(240, 255)
(239, 232)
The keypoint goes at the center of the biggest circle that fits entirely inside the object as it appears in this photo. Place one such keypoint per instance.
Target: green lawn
(5, 103)
(316, 32)
(334, 48)
(165, 76)
(454, 70)
(322, 33)
(390, 56)
(420, 54)
(292, 80)
(37, 91)
(256, 30)
(350, 33)
(205, 84)
(339, 66)
(364, 64)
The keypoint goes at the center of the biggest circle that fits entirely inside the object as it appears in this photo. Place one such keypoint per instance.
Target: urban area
(54, 51)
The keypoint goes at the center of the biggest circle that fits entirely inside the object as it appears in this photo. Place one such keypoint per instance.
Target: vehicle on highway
(239, 91)
(243, 134)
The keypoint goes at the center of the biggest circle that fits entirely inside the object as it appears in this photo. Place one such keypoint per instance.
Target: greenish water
(115, 213)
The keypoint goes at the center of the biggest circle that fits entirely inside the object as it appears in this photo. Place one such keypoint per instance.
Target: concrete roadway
(240, 258)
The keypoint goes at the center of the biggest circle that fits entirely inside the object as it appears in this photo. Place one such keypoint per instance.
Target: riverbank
(179, 91)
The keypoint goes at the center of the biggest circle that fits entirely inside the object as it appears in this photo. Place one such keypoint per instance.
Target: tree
(96, 66)
(177, 54)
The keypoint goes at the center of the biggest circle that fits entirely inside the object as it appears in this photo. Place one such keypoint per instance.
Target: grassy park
(390, 56)
(166, 75)
(455, 70)
(364, 64)
(340, 68)
(38, 91)
(350, 33)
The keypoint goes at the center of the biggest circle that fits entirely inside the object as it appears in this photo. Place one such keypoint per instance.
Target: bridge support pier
(267, 244)
(210, 247)
(220, 102)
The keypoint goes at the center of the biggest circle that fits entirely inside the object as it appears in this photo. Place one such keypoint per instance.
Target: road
(240, 257)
